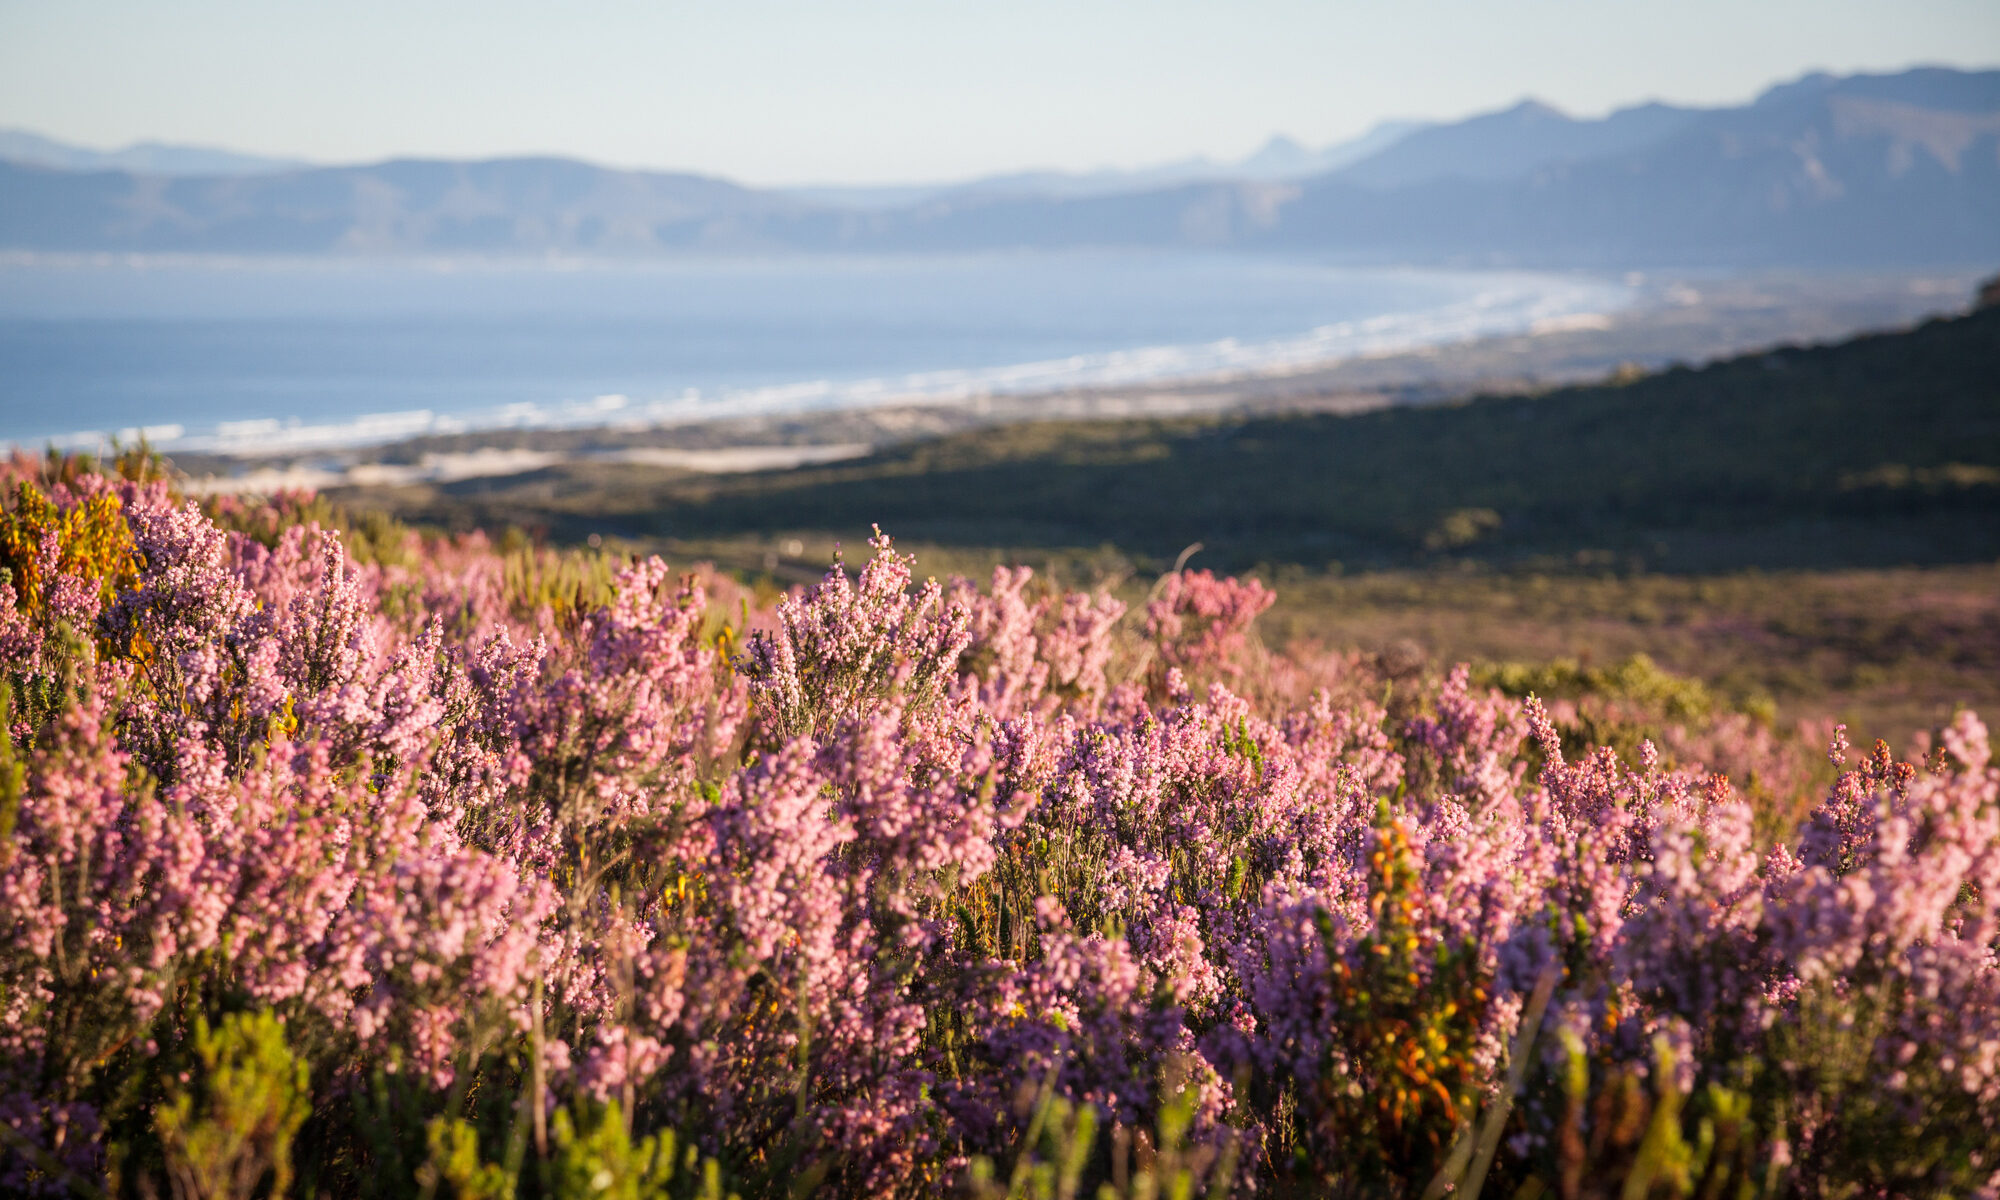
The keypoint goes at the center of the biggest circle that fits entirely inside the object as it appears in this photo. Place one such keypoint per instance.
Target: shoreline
(1673, 321)
(1467, 304)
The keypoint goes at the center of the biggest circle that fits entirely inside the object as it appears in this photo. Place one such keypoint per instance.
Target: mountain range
(146, 158)
(1855, 171)
(1280, 158)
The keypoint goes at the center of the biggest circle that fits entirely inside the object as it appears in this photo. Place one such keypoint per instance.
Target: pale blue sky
(792, 91)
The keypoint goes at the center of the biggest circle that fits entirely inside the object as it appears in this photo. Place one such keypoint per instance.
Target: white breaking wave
(1508, 304)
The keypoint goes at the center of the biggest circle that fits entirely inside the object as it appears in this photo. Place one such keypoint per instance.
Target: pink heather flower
(847, 645)
(1200, 622)
(915, 854)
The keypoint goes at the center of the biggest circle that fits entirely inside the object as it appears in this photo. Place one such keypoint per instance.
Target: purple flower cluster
(851, 910)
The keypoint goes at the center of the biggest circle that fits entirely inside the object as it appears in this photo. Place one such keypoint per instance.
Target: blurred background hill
(1877, 451)
(1813, 530)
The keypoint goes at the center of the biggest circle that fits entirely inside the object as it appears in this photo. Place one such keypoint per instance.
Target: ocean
(287, 355)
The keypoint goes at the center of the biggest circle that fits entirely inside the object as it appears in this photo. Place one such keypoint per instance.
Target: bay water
(251, 355)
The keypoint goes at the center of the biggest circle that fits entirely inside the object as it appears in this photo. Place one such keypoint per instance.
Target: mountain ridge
(1863, 170)
(148, 157)
(1280, 157)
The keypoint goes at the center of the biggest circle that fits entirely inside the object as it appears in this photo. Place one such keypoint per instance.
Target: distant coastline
(1667, 322)
(219, 357)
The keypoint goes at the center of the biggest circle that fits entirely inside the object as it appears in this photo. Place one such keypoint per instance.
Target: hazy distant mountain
(411, 205)
(1822, 171)
(145, 158)
(1280, 158)
(1866, 170)
(1926, 87)
(1507, 145)
(1858, 171)
(1283, 158)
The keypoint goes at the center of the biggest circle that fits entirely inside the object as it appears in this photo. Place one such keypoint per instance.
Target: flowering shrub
(441, 870)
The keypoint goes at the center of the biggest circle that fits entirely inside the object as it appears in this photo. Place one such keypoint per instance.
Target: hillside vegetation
(1882, 450)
